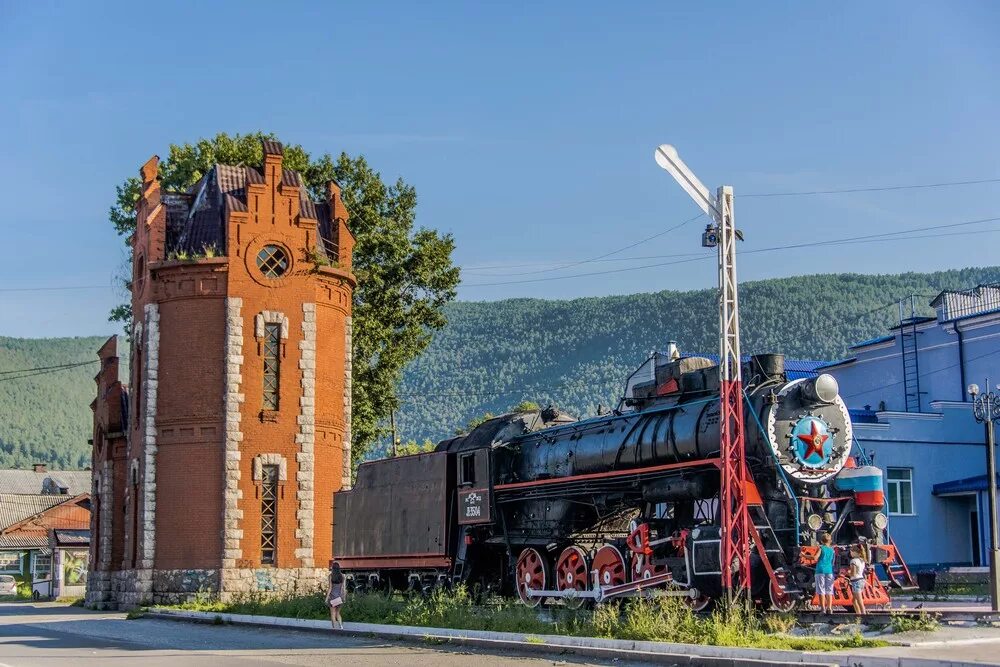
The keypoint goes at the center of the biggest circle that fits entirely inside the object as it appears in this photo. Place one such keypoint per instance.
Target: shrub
(778, 623)
(923, 622)
(654, 619)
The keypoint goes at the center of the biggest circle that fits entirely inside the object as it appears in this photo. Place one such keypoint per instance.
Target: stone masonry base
(127, 589)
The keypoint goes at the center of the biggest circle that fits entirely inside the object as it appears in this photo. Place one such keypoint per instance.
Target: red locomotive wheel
(531, 573)
(610, 566)
(700, 603)
(572, 574)
(781, 600)
(649, 571)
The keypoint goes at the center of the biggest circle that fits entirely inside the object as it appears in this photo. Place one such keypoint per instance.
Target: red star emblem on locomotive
(814, 441)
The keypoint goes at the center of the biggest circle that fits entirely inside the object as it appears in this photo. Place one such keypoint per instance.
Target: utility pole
(392, 425)
(734, 516)
(986, 409)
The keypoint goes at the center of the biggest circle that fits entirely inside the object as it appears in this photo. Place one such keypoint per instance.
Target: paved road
(46, 635)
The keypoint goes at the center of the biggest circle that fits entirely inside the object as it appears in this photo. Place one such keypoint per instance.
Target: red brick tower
(239, 407)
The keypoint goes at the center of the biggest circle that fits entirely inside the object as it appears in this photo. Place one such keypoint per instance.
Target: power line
(752, 194)
(871, 189)
(869, 238)
(45, 368)
(54, 289)
(938, 370)
(615, 252)
(26, 373)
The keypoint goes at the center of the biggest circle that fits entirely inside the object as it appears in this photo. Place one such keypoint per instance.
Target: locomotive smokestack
(821, 389)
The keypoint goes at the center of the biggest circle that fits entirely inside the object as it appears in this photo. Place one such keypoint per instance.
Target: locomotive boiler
(548, 507)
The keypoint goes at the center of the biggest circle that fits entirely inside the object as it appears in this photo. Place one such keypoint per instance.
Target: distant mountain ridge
(492, 355)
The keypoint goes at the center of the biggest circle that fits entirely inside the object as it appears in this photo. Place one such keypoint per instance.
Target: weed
(778, 623)
(533, 639)
(218, 620)
(657, 619)
(210, 250)
(924, 622)
(135, 612)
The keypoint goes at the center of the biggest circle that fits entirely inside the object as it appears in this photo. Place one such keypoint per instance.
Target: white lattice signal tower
(733, 512)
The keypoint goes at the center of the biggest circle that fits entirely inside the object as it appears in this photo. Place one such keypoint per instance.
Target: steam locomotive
(542, 505)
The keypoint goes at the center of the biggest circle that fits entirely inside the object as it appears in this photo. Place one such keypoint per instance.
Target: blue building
(913, 417)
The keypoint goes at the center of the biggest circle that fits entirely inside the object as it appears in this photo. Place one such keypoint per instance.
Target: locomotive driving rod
(629, 589)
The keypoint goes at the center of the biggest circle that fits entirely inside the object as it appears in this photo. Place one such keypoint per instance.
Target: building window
(900, 483)
(42, 567)
(272, 364)
(135, 518)
(272, 261)
(269, 515)
(10, 561)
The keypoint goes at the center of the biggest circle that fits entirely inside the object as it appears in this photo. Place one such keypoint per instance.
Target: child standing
(857, 576)
(824, 574)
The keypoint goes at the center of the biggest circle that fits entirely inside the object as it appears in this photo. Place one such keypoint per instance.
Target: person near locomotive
(856, 573)
(824, 574)
(335, 596)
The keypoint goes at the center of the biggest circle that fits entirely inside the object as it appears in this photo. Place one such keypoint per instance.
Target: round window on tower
(272, 261)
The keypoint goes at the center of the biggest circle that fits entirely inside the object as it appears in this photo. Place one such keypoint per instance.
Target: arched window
(272, 365)
(269, 514)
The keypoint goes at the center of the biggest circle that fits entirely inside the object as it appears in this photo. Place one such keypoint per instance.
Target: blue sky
(528, 131)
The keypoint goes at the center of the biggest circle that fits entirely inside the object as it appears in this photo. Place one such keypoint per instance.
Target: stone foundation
(126, 589)
(275, 581)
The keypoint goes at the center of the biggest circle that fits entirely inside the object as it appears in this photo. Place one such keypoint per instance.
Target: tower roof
(196, 219)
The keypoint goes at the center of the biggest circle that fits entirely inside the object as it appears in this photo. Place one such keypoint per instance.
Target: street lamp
(986, 408)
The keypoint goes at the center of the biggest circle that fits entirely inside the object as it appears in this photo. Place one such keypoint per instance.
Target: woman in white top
(856, 573)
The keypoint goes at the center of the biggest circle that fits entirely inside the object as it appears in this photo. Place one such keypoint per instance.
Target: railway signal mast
(734, 515)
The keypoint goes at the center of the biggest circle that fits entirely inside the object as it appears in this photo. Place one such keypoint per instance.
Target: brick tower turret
(239, 402)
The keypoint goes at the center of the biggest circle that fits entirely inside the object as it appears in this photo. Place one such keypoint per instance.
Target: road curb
(690, 655)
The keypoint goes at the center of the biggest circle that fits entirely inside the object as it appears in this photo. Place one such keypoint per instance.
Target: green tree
(405, 274)
(413, 447)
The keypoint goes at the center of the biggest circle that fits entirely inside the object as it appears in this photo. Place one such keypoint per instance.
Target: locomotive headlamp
(881, 521)
(815, 522)
(823, 388)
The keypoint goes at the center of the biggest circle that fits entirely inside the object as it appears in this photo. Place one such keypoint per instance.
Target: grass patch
(136, 612)
(659, 619)
(922, 623)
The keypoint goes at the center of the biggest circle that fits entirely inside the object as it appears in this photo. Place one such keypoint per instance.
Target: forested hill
(45, 411)
(493, 355)
(578, 353)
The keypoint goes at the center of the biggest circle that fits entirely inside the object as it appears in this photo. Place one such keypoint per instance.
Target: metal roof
(795, 369)
(967, 485)
(862, 416)
(51, 482)
(24, 541)
(70, 537)
(872, 341)
(15, 507)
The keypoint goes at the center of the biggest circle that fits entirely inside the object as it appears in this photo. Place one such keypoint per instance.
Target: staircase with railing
(908, 338)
